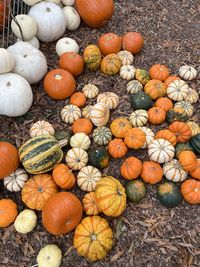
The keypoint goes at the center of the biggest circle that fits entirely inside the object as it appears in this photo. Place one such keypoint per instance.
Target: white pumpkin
(86, 111)
(40, 128)
(149, 136)
(26, 221)
(90, 90)
(126, 57)
(109, 99)
(68, 2)
(30, 62)
(31, 2)
(134, 86)
(50, 19)
(72, 17)
(57, 2)
(76, 158)
(178, 90)
(139, 118)
(70, 113)
(34, 42)
(192, 97)
(187, 73)
(174, 172)
(100, 114)
(16, 180)
(66, 45)
(80, 140)
(16, 95)
(49, 256)
(187, 107)
(88, 177)
(127, 72)
(27, 24)
(7, 61)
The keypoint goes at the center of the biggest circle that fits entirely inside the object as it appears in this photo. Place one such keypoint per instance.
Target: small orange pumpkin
(155, 89)
(132, 42)
(156, 115)
(171, 79)
(109, 43)
(152, 172)
(164, 103)
(72, 62)
(117, 148)
(111, 64)
(90, 206)
(167, 135)
(82, 125)
(181, 130)
(63, 176)
(8, 212)
(196, 173)
(78, 99)
(120, 126)
(135, 138)
(190, 190)
(188, 160)
(159, 72)
(131, 168)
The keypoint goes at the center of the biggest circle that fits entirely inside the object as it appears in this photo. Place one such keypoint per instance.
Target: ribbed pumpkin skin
(111, 64)
(155, 89)
(40, 154)
(167, 135)
(196, 173)
(182, 147)
(195, 143)
(90, 205)
(190, 190)
(119, 127)
(92, 57)
(182, 131)
(188, 160)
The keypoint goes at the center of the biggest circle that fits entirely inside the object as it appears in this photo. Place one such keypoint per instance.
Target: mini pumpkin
(72, 62)
(88, 177)
(90, 206)
(188, 160)
(90, 90)
(141, 100)
(187, 73)
(8, 211)
(156, 115)
(174, 172)
(63, 176)
(142, 76)
(178, 90)
(131, 168)
(159, 72)
(76, 158)
(182, 147)
(190, 190)
(86, 111)
(167, 135)
(126, 57)
(187, 107)
(181, 130)
(78, 99)
(117, 148)
(26, 221)
(164, 103)
(111, 64)
(99, 158)
(92, 57)
(171, 79)
(82, 125)
(111, 100)
(70, 113)
(100, 114)
(149, 134)
(50, 255)
(127, 72)
(134, 86)
(155, 89)
(80, 140)
(102, 135)
(176, 114)
(40, 128)
(16, 180)
(195, 143)
(194, 127)
(152, 172)
(119, 127)
(139, 118)
(135, 138)
(192, 96)
(133, 42)
(109, 43)
(135, 191)
(196, 173)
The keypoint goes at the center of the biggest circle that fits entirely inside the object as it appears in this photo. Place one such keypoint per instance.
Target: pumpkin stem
(58, 77)
(8, 84)
(93, 237)
(63, 142)
(48, 9)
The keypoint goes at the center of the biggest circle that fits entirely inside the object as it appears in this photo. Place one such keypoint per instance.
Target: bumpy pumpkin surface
(192, 96)
(190, 190)
(102, 135)
(111, 64)
(135, 191)
(78, 99)
(50, 255)
(156, 115)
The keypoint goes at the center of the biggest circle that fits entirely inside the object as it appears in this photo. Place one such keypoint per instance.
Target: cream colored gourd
(90, 90)
(174, 172)
(49, 256)
(100, 114)
(76, 158)
(72, 17)
(178, 90)
(109, 99)
(187, 73)
(50, 19)
(16, 95)
(126, 57)
(192, 97)
(57, 2)
(16, 180)
(88, 177)
(86, 111)
(40, 128)
(134, 86)
(68, 2)
(25, 221)
(80, 140)
(70, 113)
(194, 127)
(149, 136)
(7, 61)
(31, 2)
(139, 118)
(28, 27)
(30, 62)
(187, 107)
(34, 42)
(66, 45)
(127, 72)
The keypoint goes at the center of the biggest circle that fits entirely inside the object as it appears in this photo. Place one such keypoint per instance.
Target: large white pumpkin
(7, 61)
(50, 19)
(34, 42)
(66, 45)
(73, 18)
(16, 96)
(30, 62)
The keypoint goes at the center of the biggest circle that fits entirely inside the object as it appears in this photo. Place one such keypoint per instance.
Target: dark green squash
(173, 115)
(141, 100)
(195, 143)
(142, 76)
(180, 147)
(99, 158)
(135, 191)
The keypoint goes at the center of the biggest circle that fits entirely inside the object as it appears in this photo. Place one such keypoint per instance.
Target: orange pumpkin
(37, 190)
(188, 160)
(90, 206)
(59, 84)
(63, 176)
(78, 99)
(109, 43)
(117, 148)
(132, 42)
(167, 135)
(9, 160)
(152, 172)
(156, 115)
(159, 72)
(164, 103)
(72, 62)
(135, 138)
(3, 13)
(8, 212)
(131, 168)
(119, 127)
(82, 125)
(155, 89)
(111, 64)
(62, 213)
(171, 79)
(181, 130)
(190, 190)
(196, 173)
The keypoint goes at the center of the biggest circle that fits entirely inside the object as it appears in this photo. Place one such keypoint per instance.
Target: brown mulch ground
(147, 234)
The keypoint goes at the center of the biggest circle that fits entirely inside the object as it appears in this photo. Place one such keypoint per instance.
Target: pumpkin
(152, 172)
(178, 90)
(86, 111)
(141, 100)
(127, 72)
(72, 17)
(187, 73)
(31, 2)
(156, 115)
(3, 14)
(7, 61)
(174, 172)
(88, 177)
(100, 114)
(196, 173)
(37, 190)
(111, 100)
(40, 128)
(117, 148)
(182, 147)
(190, 190)
(119, 127)
(192, 96)
(34, 42)
(59, 84)
(194, 127)
(99, 158)
(26, 221)
(90, 205)
(149, 134)
(95, 13)
(9, 160)
(132, 42)
(155, 89)
(49, 255)
(110, 196)
(139, 118)
(63, 135)
(187, 107)
(102, 135)
(131, 168)
(72, 62)
(167, 135)
(70, 113)
(135, 138)
(63, 176)
(93, 238)
(109, 43)
(16, 180)
(134, 86)
(176, 114)
(164, 103)
(76, 158)
(161, 151)
(8, 211)
(135, 191)
(195, 143)
(159, 72)
(65, 45)
(68, 2)
(181, 130)
(92, 57)
(142, 76)
(126, 57)
(111, 64)
(171, 79)
(80, 140)
(90, 90)
(169, 194)
(82, 125)
(188, 160)
(16, 95)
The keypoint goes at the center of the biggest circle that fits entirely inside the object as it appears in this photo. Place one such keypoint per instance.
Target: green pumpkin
(142, 76)
(180, 147)
(195, 143)
(99, 158)
(173, 115)
(135, 191)
(141, 100)
(169, 194)
(102, 135)
(63, 135)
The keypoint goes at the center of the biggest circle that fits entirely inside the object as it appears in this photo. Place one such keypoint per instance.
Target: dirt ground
(147, 234)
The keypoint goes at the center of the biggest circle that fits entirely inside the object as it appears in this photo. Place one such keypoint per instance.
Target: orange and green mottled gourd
(111, 64)
(92, 57)
(155, 89)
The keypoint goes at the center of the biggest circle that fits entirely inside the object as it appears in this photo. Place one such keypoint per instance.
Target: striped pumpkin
(100, 114)
(174, 172)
